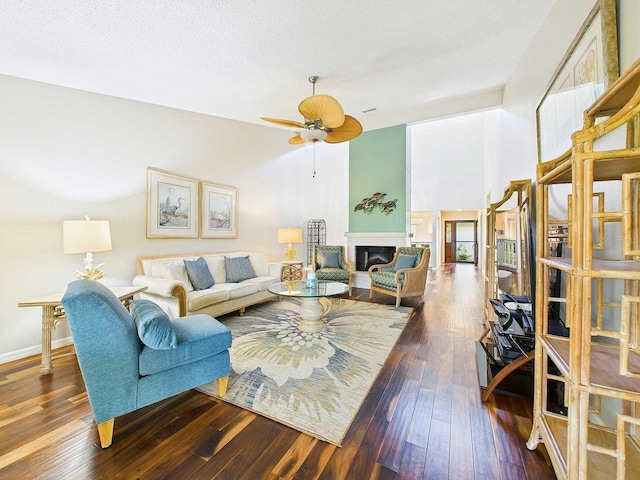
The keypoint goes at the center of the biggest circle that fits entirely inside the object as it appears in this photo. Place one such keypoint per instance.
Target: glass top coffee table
(313, 309)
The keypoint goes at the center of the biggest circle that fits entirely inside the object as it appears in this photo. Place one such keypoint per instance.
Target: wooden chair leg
(222, 385)
(105, 431)
(398, 300)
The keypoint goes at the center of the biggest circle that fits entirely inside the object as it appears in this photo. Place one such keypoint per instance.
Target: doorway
(460, 241)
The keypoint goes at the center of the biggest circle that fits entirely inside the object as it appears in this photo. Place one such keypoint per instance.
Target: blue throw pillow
(154, 327)
(199, 273)
(404, 261)
(238, 269)
(329, 260)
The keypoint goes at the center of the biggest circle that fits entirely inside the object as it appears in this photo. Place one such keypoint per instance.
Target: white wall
(448, 162)
(65, 153)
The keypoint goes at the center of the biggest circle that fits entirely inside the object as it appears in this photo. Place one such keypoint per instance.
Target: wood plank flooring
(423, 418)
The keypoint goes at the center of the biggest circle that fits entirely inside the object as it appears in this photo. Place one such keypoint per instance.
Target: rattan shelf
(599, 363)
(554, 431)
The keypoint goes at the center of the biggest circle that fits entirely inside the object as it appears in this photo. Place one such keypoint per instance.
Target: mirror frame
(522, 189)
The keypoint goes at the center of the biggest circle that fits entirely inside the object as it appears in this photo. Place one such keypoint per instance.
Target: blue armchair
(120, 372)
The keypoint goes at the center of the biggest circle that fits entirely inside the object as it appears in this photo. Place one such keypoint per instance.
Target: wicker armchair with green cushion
(405, 276)
(329, 262)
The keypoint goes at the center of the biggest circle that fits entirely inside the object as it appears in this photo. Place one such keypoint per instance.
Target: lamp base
(290, 252)
(91, 272)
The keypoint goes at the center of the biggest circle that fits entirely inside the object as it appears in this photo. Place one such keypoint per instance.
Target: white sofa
(169, 286)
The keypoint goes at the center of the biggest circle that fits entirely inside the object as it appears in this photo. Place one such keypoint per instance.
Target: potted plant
(462, 253)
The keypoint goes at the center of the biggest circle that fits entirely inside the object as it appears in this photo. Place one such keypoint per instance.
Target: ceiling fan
(324, 120)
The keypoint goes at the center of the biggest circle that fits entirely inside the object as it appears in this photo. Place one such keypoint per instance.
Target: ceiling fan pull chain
(314, 160)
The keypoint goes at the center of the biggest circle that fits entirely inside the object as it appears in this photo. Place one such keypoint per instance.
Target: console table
(53, 312)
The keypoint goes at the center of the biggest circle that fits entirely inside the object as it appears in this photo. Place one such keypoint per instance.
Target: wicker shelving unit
(599, 363)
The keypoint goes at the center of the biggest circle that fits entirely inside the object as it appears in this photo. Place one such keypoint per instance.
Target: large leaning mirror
(507, 343)
(509, 278)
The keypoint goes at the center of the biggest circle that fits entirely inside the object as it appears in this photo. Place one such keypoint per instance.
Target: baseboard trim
(34, 350)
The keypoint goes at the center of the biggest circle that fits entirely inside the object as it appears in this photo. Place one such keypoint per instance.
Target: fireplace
(369, 255)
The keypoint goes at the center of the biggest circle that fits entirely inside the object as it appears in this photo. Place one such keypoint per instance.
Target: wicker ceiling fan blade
(349, 130)
(284, 122)
(296, 140)
(324, 108)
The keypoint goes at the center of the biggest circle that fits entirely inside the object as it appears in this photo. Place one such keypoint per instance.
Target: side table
(53, 312)
(292, 270)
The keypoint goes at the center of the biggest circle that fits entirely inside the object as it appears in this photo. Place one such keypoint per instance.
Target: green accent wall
(379, 163)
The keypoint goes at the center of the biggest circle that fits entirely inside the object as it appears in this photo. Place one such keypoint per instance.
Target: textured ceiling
(244, 59)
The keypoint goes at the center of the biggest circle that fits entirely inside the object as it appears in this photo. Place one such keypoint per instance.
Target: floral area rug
(312, 382)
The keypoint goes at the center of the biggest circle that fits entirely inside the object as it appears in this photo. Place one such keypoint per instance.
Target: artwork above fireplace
(368, 255)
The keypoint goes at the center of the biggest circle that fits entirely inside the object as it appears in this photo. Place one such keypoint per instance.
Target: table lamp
(87, 236)
(290, 236)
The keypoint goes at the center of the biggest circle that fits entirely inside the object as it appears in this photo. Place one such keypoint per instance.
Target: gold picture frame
(219, 211)
(588, 67)
(172, 205)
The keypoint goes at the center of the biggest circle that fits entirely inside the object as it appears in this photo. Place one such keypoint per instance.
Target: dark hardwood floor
(422, 419)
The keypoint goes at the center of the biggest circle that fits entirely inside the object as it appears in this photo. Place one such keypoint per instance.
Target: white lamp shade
(85, 236)
(289, 235)
(313, 135)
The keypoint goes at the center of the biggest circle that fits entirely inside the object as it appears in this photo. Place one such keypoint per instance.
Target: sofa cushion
(198, 273)
(216, 267)
(198, 337)
(201, 298)
(154, 327)
(262, 282)
(237, 290)
(259, 264)
(153, 266)
(404, 261)
(176, 270)
(238, 269)
(329, 260)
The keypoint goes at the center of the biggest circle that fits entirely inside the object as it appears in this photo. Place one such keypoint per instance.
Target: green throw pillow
(238, 269)
(154, 327)
(330, 260)
(199, 274)
(404, 261)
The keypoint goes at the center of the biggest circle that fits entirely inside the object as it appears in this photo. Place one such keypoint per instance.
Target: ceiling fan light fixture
(313, 135)
(324, 120)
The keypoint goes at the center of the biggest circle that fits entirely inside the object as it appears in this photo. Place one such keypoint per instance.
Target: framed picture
(587, 69)
(172, 205)
(219, 211)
